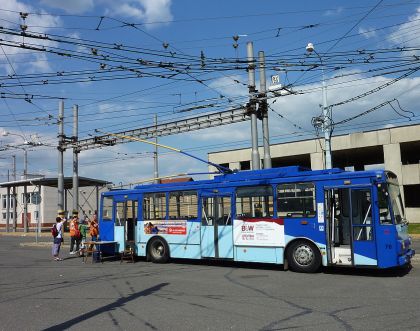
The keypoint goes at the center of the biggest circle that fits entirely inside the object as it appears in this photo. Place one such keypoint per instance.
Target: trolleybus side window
(154, 206)
(216, 211)
(107, 209)
(296, 200)
(255, 201)
(384, 212)
(183, 205)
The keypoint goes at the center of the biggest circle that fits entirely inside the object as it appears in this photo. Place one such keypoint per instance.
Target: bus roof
(241, 177)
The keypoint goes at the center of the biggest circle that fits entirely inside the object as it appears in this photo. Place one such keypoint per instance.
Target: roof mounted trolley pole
(75, 160)
(264, 111)
(255, 155)
(60, 177)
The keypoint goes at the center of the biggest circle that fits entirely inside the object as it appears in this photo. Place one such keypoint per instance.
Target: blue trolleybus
(294, 216)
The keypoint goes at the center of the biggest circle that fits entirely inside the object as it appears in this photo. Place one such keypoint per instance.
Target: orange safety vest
(73, 226)
(93, 230)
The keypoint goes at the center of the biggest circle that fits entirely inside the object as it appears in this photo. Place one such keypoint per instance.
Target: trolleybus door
(216, 226)
(350, 229)
(125, 222)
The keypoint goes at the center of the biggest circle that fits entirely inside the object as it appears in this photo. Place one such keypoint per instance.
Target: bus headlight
(401, 247)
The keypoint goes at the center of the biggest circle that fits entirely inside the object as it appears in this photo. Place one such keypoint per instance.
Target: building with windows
(37, 198)
(396, 149)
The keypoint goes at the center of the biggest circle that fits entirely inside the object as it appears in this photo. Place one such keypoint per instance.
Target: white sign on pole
(275, 80)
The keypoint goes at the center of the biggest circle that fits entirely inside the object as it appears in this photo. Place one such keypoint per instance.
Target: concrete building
(396, 149)
(41, 201)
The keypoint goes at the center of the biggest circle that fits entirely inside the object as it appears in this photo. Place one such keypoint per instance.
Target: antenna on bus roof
(220, 168)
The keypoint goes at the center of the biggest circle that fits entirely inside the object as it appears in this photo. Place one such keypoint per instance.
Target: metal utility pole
(14, 195)
(14, 167)
(25, 162)
(25, 208)
(60, 177)
(75, 160)
(327, 124)
(326, 111)
(155, 155)
(8, 209)
(264, 111)
(255, 155)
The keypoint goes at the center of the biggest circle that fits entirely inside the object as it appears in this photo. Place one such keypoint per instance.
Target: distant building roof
(176, 180)
(53, 182)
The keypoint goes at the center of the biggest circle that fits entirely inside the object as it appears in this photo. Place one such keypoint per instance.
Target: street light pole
(326, 113)
(25, 162)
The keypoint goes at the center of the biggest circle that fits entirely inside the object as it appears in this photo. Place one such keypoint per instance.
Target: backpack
(54, 231)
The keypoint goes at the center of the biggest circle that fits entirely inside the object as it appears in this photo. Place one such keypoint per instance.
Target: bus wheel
(303, 256)
(158, 250)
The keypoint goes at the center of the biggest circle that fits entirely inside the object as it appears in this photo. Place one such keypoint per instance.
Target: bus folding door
(350, 226)
(216, 227)
(125, 222)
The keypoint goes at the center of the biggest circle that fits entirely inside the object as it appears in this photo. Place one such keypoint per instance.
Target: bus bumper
(406, 258)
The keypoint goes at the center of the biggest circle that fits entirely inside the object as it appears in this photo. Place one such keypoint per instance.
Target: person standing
(58, 239)
(83, 228)
(94, 228)
(74, 235)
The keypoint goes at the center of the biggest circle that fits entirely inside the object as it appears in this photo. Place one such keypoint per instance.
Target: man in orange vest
(75, 236)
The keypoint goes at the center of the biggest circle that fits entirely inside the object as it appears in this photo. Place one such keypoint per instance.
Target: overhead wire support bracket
(165, 129)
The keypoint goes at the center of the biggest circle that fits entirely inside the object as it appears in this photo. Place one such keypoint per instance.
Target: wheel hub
(303, 255)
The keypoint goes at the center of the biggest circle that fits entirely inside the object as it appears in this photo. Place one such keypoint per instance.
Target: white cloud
(143, 10)
(367, 32)
(72, 6)
(301, 108)
(147, 11)
(21, 59)
(229, 86)
(333, 12)
(408, 33)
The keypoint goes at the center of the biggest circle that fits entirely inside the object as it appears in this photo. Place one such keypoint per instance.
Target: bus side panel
(107, 230)
(304, 227)
(387, 245)
(185, 251)
(259, 254)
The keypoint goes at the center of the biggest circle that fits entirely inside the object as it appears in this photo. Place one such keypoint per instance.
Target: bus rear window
(296, 200)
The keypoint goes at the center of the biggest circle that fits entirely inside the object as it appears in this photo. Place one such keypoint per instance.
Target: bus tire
(158, 250)
(303, 256)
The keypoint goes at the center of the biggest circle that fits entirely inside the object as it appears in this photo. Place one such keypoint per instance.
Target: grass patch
(414, 228)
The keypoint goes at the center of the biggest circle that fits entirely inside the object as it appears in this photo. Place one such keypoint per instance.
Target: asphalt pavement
(37, 293)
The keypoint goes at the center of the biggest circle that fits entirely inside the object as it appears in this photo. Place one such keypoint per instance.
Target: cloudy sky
(123, 62)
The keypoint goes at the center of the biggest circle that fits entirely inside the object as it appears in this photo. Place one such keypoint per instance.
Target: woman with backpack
(57, 233)
(75, 236)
